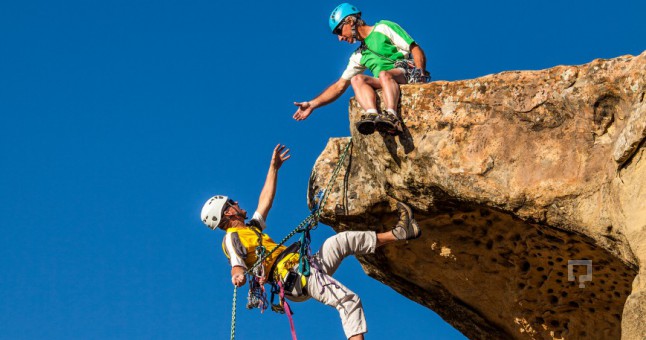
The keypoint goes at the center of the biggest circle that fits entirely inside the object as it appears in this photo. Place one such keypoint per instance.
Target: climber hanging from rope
(244, 243)
(384, 49)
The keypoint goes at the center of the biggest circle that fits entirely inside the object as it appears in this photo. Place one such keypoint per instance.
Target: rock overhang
(511, 176)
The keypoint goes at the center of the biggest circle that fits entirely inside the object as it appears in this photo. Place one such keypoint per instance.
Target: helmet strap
(223, 221)
(353, 27)
(354, 30)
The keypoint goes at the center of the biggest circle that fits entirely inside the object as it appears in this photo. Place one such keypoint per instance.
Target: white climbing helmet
(212, 211)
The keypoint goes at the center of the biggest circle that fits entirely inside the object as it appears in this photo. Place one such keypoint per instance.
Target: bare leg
(356, 337)
(389, 81)
(364, 90)
(385, 238)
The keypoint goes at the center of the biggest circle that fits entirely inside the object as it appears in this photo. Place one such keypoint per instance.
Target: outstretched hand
(281, 154)
(304, 110)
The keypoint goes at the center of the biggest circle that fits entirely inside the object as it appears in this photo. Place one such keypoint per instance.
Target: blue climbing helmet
(341, 12)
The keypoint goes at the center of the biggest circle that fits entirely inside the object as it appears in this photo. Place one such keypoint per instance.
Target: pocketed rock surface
(510, 176)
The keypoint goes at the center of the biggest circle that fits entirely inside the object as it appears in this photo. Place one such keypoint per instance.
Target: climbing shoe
(388, 123)
(366, 125)
(406, 228)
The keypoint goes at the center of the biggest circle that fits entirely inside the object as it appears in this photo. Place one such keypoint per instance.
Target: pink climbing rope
(288, 310)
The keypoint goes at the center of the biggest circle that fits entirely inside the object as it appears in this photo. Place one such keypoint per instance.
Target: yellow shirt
(240, 244)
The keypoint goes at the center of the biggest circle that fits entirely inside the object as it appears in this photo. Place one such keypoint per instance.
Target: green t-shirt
(387, 39)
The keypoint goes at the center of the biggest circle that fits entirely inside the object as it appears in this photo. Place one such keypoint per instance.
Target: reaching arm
(418, 56)
(269, 189)
(330, 94)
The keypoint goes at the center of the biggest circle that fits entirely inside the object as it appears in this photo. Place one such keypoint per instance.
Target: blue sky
(118, 119)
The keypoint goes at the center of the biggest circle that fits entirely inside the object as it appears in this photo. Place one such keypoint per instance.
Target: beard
(242, 213)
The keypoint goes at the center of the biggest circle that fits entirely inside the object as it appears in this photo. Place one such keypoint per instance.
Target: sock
(392, 112)
(371, 111)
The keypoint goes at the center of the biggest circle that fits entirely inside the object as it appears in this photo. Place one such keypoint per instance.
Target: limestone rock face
(511, 176)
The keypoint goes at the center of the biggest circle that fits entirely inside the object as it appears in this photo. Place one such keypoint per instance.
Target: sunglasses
(338, 29)
(229, 203)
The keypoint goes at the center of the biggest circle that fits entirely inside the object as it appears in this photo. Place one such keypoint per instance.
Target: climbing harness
(257, 296)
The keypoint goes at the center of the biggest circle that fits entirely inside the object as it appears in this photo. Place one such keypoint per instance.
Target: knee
(342, 237)
(355, 300)
(349, 303)
(357, 80)
(349, 298)
(385, 76)
(337, 239)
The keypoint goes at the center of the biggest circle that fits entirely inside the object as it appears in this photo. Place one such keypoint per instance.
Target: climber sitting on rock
(242, 239)
(384, 50)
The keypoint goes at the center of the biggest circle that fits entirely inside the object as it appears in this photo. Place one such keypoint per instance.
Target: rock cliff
(511, 177)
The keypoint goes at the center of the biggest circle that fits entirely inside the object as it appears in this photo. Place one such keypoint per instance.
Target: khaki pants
(322, 287)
